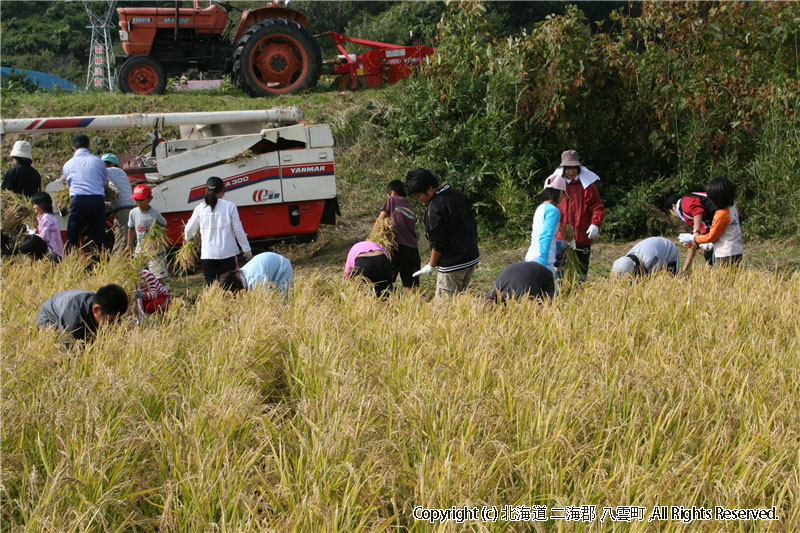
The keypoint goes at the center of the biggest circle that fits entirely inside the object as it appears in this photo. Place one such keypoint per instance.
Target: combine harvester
(276, 169)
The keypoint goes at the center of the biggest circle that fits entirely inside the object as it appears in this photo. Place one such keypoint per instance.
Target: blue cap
(111, 158)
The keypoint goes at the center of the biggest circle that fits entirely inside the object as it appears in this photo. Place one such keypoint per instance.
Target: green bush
(16, 81)
(769, 197)
(681, 91)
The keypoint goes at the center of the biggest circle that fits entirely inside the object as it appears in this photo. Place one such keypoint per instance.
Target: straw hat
(21, 149)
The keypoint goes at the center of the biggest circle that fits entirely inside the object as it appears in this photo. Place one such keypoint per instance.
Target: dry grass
(338, 411)
(247, 155)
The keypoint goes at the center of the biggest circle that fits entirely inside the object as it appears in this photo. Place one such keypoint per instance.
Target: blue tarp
(45, 81)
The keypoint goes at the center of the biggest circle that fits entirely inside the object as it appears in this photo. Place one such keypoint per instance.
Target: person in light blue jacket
(268, 269)
(545, 223)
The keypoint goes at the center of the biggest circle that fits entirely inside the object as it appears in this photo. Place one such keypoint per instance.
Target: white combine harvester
(276, 169)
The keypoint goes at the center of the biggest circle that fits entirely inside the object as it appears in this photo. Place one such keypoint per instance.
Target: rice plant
(155, 241)
(337, 411)
(62, 201)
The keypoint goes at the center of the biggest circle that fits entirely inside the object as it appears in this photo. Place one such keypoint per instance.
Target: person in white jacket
(220, 230)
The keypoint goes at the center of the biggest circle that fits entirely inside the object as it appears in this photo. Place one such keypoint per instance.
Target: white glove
(592, 231)
(572, 244)
(686, 238)
(247, 255)
(30, 230)
(427, 269)
(707, 246)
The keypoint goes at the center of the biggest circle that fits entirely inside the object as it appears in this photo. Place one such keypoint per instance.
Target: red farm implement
(385, 63)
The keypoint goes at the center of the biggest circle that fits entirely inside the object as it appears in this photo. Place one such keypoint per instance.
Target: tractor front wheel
(276, 56)
(142, 75)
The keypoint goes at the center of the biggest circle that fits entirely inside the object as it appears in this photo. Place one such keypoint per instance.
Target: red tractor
(270, 51)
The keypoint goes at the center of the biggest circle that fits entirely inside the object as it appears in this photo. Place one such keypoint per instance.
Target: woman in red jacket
(582, 209)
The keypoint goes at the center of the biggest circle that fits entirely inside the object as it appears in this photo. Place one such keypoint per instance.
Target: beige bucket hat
(570, 158)
(21, 149)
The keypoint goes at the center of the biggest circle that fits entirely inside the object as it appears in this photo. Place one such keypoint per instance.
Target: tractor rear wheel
(142, 75)
(276, 56)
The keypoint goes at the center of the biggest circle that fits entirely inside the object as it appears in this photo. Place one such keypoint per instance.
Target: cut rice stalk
(383, 234)
(62, 200)
(17, 212)
(186, 258)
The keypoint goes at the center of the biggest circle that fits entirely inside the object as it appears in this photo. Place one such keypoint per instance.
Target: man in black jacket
(451, 229)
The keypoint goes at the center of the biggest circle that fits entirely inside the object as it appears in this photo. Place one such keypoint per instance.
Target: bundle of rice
(571, 264)
(155, 242)
(111, 194)
(62, 200)
(186, 258)
(17, 212)
(383, 234)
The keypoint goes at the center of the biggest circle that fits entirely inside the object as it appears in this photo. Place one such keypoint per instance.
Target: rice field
(340, 412)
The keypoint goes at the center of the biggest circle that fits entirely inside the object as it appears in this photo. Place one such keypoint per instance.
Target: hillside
(336, 411)
(366, 158)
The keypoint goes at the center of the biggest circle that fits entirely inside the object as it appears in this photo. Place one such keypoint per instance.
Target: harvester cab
(269, 50)
(276, 169)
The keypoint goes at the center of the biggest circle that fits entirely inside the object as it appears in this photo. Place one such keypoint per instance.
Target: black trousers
(405, 262)
(214, 268)
(728, 261)
(377, 269)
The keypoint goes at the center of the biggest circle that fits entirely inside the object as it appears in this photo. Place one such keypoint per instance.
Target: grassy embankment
(365, 161)
(337, 411)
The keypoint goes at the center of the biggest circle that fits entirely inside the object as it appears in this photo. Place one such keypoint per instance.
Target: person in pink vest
(370, 260)
(582, 209)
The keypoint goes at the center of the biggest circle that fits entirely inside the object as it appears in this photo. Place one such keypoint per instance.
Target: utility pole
(101, 72)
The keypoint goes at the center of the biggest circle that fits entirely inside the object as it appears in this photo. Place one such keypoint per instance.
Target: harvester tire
(142, 75)
(276, 56)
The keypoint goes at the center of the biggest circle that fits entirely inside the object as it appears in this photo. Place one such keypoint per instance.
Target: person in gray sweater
(647, 257)
(79, 312)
